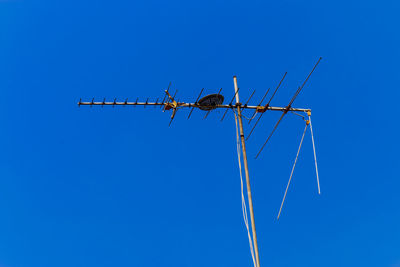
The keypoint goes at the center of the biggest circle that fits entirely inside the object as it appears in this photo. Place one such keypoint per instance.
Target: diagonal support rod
(291, 173)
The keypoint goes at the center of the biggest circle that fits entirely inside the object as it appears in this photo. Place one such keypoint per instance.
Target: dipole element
(246, 169)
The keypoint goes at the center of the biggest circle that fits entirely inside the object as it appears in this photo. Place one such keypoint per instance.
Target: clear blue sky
(118, 187)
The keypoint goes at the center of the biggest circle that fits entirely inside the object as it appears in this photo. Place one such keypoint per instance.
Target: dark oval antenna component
(209, 102)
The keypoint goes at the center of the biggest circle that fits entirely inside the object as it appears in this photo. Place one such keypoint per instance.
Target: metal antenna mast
(211, 102)
(246, 170)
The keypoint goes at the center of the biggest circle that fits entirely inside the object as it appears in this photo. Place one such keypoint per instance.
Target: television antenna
(211, 102)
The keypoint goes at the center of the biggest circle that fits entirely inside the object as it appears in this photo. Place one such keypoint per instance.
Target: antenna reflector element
(209, 102)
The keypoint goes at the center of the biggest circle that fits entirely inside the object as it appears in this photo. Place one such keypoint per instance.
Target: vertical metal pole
(246, 169)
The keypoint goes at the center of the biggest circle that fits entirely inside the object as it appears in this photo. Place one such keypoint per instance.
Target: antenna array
(212, 102)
